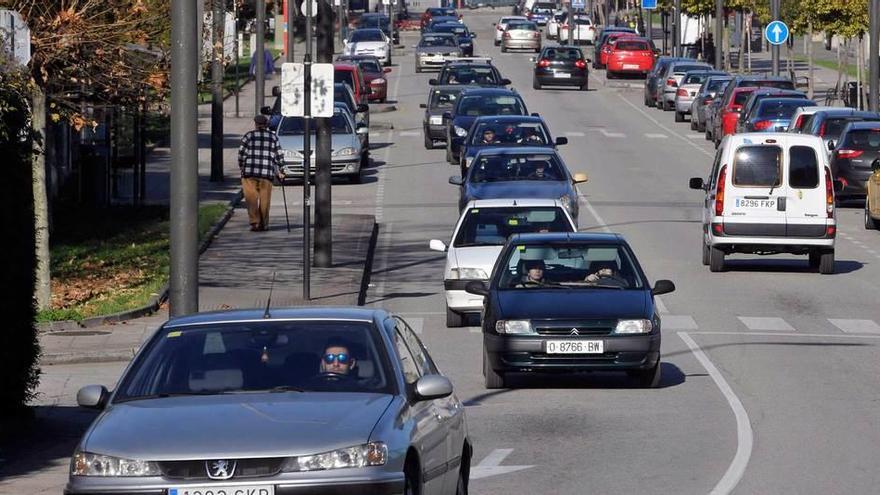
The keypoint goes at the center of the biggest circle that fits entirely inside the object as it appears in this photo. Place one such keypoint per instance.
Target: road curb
(368, 265)
(89, 357)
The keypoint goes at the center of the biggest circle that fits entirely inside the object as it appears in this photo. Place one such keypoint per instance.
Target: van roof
(781, 138)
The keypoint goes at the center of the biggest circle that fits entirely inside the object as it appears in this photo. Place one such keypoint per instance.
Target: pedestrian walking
(268, 64)
(260, 158)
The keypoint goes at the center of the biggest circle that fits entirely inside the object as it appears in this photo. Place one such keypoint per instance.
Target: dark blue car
(462, 34)
(473, 103)
(517, 172)
(569, 302)
(513, 130)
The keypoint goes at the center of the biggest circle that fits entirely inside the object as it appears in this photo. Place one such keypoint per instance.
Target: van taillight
(763, 125)
(822, 129)
(719, 192)
(798, 122)
(829, 194)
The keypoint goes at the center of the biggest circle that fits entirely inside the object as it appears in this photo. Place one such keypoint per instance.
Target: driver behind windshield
(337, 359)
(534, 274)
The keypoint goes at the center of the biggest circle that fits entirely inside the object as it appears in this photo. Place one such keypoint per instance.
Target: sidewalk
(236, 270)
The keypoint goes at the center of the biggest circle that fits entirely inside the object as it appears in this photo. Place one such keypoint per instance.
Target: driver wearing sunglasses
(337, 359)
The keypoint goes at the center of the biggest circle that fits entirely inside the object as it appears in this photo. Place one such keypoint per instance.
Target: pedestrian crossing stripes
(765, 323)
(856, 326)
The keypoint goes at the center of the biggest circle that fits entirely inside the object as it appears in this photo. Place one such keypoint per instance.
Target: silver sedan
(521, 35)
(282, 401)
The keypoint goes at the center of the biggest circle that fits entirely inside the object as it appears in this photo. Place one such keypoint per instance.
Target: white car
(769, 193)
(581, 29)
(371, 42)
(478, 238)
(553, 24)
(501, 25)
(802, 116)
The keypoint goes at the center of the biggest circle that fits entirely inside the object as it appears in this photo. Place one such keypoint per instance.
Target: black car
(851, 159)
(514, 130)
(561, 66)
(441, 99)
(473, 103)
(380, 21)
(461, 32)
(469, 73)
(828, 124)
(566, 303)
(437, 20)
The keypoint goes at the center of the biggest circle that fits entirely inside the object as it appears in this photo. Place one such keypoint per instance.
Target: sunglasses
(342, 358)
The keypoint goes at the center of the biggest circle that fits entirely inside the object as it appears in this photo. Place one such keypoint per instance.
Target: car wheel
(716, 259)
(454, 319)
(412, 482)
(708, 135)
(503, 49)
(659, 103)
(497, 43)
(429, 143)
(461, 488)
(705, 253)
(493, 380)
(826, 262)
(693, 124)
(815, 258)
(365, 160)
(610, 74)
(418, 70)
(356, 178)
(870, 223)
(649, 378)
(679, 117)
(535, 83)
(586, 86)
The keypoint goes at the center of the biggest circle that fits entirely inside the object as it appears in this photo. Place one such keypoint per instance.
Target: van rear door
(806, 209)
(752, 205)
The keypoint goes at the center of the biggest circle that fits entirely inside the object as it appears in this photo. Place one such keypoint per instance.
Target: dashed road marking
(765, 323)
(678, 322)
(651, 135)
(855, 326)
(575, 134)
(612, 134)
(695, 136)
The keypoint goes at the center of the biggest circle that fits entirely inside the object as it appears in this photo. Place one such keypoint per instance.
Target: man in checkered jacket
(260, 158)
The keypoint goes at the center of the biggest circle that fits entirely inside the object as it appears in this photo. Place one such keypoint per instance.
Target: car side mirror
(456, 180)
(477, 287)
(831, 145)
(473, 35)
(92, 396)
(431, 387)
(561, 140)
(505, 81)
(437, 245)
(697, 183)
(276, 91)
(363, 107)
(433, 82)
(423, 105)
(447, 115)
(535, 114)
(838, 185)
(386, 70)
(266, 110)
(362, 130)
(875, 165)
(663, 287)
(580, 177)
(494, 24)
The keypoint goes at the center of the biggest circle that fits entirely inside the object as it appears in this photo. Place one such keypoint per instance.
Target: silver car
(687, 90)
(501, 25)
(349, 155)
(310, 400)
(435, 49)
(521, 35)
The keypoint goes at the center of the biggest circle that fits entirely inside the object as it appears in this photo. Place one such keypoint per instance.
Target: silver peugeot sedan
(310, 400)
(521, 35)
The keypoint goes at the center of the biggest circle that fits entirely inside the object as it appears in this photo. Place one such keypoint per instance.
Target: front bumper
(384, 485)
(526, 353)
(348, 166)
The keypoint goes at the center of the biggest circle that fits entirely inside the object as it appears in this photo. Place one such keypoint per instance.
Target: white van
(769, 193)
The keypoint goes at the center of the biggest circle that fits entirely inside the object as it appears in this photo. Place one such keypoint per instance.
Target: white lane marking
(475, 329)
(855, 326)
(612, 134)
(678, 322)
(599, 221)
(667, 129)
(660, 306)
(410, 133)
(574, 134)
(491, 465)
(782, 334)
(695, 136)
(651, 135)
(744, 437)
(765, 323)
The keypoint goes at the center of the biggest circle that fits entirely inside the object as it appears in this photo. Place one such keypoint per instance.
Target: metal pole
(307, 155)
(259, 54)
(184, 280)
(676, 29)
(237, 58)
(323, 231)
(649, 25)
(774, 49)
(719, 33)
(218, 18)
(874, 57)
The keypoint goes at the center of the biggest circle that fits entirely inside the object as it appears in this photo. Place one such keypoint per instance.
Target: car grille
(573, 359)
(584, 327)
(297, 168)
(245, 468)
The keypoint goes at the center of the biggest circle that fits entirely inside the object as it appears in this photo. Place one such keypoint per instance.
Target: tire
(356, 178)
(429, 142)
(814, 259)
(461, 487)
(610, 75)
(418, 69)
(679, 117)
(705, 254)
(826, 262)
(693, 124)
(870, 223)
(708, 135)
(535, 83)
(659, 103)
(412, 482)
(454, 319)
(503, 49)
(449, 157)
(649, 378)
(716, 259)
(492, 379)
(497, 43)
(586, 86)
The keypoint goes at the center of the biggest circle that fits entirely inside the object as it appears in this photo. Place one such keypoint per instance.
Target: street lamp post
(719, 33)
(260, 58)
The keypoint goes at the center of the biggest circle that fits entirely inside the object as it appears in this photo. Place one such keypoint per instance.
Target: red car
(630, 56)
(349, 73)
(729, 114)
(606, 49)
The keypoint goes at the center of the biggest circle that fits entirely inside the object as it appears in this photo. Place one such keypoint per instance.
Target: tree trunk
(810, 84)
(839, 67)
(43, 286)
(742, 43)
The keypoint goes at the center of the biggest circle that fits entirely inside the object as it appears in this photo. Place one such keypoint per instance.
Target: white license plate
(436, 120)
(630, 66)
(224, 490)
(562, 75)
(755, 204)
(574, 347)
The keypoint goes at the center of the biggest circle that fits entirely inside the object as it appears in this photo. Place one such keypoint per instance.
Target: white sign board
(314, 8)
(16, 36)
(293, 90)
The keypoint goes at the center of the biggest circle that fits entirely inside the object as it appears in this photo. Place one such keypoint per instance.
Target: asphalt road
(785, 400)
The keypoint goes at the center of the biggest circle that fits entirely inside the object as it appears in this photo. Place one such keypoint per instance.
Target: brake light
(672, 82)
(719, 192)
(544, 63)
(536, 35)
(762, 125)
(681, 92)
(707, 100)
(799, 121)
(735, 108)
(849, 153)
(580, 64)
(829, 194)
(822, 129)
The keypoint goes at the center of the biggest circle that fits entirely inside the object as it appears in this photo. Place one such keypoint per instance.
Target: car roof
(466, 63)
(313, 313)
(511, 202)
(864, 124)
(846, 112)
(782, 138)
(344, 65)
(561, 237)
(753, 77)
(450, 87)
(516, 150)
(489, 91)
(786, 99)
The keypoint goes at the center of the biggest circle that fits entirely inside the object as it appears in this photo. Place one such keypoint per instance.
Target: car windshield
(628, 45)
(429, 40)
(509, 133)
(492, 226)
(863, 139)
(264, 356)
(515, 167)
(444, 98)
(469, 75)
(562, 54)
(782, 109)
(456, 28)
(294, 126)
(522, 26)
(479, 105)
(542, 10)
(834, 125)
(361, 35)
(569, 266)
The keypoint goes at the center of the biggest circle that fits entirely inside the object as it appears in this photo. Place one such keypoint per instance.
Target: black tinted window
(756, 166)
(863, 139)
(492, 226)
(781, 109)
(803, 168)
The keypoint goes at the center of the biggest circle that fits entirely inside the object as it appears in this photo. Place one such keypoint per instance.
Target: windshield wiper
(165, 395)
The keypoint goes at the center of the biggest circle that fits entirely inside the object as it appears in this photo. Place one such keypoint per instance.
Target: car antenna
(269, 299)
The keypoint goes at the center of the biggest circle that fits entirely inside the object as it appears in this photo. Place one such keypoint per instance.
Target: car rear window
(863, 139)
(803, 167)
(632, 45)
(781, 109)
(767, 84)
(563, 54)
(741, 97)
(834, 126)
(492, 226)
(757, 166)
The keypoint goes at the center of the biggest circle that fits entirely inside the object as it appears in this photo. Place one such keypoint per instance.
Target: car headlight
(514, 327)
(634, 326)
(88, 464)
(565, 199)
(468, 274)
(370, 454)
(460, 131)
(292, 155)
(347, 151)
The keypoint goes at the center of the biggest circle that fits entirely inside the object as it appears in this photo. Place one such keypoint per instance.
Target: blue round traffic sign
(776, 33)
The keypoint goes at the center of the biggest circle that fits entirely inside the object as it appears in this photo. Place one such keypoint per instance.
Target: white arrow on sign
(491, 465)
(777, 32)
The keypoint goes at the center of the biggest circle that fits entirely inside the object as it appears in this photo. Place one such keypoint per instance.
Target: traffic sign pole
(775, 33)
(874, 57)
(719, 33)
(307, 157)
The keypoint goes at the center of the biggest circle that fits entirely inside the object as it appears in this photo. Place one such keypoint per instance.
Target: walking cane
(284, 197)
